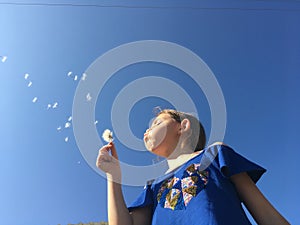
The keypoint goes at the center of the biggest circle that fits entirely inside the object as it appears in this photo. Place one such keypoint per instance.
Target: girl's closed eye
(156, 123)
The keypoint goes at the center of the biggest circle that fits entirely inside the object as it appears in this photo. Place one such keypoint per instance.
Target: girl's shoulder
(215, 148)
(217, 143)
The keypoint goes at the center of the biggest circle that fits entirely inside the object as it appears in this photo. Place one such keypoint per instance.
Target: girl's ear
(185, 125)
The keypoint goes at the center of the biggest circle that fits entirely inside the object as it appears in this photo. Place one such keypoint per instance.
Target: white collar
(180, 160)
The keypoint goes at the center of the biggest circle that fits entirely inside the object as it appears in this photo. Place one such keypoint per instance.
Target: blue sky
(252, 48)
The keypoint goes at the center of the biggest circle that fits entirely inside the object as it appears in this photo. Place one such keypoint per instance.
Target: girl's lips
(146, 137)
(146, 134)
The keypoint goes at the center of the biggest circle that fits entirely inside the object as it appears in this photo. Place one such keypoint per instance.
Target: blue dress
(200, 191)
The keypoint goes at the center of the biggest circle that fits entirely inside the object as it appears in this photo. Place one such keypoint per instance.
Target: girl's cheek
(148, 141)
(157, 135)
(149, 144)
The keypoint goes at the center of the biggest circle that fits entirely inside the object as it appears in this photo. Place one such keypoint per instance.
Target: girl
(203, 186)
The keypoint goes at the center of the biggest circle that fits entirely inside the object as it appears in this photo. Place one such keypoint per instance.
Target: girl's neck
(174, 163)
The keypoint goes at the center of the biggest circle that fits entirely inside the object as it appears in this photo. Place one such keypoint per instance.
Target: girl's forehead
(163, 116)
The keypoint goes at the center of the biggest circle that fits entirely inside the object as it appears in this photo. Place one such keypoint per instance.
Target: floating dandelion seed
(66, 139)
(96, 122)
(78, 162)
(59, 128)
(34, 99)
(4, 58)
(29, 84)
(88, 97)
(69, 73)
(70, 118)
(55, 105)
(83, 76)
(26, 76)
(75, 78)
(67, 125)
(107, 135)
(49, 106)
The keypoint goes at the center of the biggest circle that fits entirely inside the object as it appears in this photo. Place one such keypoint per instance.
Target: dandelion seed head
(34, 100)
(107, 135)
(67, 125)
(84, 75)
(88, 97)
(4, 58)
(55, 105)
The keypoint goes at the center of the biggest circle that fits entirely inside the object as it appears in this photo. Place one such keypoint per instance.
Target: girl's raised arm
(118, 213)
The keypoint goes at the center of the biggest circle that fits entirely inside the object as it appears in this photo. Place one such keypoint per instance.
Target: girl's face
(163, 135)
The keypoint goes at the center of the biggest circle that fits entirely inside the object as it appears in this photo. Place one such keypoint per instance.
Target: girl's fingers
(107, 161)
(104, 153)
(113, 150)
(105, 148)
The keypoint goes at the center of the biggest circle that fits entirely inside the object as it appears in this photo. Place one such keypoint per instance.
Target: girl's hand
(108, 162)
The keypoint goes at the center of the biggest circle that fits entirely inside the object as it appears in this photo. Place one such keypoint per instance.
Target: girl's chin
(157, 152)
(149, 145)
(151, 149)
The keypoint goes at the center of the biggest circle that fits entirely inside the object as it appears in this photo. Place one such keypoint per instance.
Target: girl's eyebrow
(155, 120)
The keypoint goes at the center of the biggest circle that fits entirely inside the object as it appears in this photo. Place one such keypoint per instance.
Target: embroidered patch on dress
(176, 193)
(172, 198)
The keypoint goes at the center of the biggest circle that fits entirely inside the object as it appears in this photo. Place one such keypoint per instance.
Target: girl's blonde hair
(198, 137)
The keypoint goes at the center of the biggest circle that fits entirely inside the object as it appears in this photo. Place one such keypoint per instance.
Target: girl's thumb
(113, 150)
